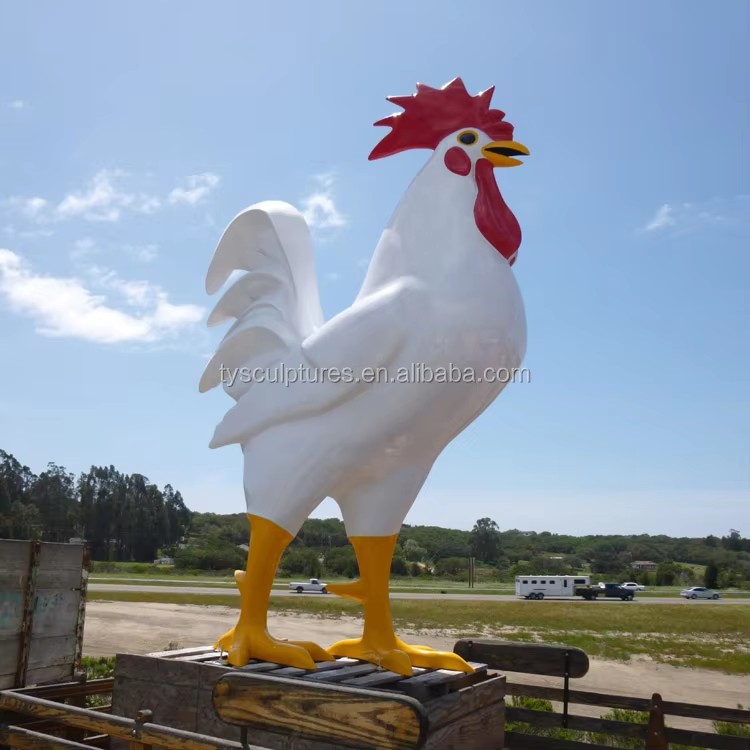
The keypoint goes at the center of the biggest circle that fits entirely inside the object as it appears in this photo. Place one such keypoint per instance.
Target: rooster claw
(245, 644)
(392, 659)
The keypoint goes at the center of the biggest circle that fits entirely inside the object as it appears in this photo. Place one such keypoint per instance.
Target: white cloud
(27, 234)
(197, 187)
(17, 104)
(663, 218)
(70, 307)
(105, 199)
(319, 208)
(29, 208)
(143, 253)
(333, 276)
(683, 218)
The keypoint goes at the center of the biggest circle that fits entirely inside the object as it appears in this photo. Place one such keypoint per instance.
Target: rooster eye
(468, 137)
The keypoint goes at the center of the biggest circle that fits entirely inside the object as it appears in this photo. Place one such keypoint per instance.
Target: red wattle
(493, 217)
(458, 161)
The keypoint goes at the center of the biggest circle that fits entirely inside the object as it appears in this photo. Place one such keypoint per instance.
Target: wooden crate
(463, 712)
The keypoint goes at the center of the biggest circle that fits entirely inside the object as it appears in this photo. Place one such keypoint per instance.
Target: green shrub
(730, 729)
(97, 667)
(539, 704)
(625, 743)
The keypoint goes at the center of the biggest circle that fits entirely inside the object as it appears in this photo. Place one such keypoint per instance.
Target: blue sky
(131, 134)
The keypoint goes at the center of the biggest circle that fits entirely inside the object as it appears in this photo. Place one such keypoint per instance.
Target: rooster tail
(275, 305)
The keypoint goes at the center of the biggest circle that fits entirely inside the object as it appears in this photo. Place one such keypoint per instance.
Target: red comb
(431, 114)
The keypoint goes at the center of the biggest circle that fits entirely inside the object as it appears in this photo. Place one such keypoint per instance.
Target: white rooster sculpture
(439, 293)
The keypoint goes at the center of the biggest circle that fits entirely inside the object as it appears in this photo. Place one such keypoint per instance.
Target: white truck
(539, 586)
(313, 586)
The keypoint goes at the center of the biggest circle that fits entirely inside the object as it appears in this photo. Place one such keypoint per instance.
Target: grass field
(701, 636)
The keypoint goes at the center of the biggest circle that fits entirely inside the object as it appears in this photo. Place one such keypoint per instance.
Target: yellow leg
(379, 644)
(249, 638)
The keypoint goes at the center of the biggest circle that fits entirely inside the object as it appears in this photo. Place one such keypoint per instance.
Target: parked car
(699, 592)
(313, 585)
(633, 586)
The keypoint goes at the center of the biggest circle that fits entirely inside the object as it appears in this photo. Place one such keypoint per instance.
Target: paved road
(211, 591)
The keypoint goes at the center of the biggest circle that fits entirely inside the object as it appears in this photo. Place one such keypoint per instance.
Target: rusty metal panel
(14, 573)
(41, 611)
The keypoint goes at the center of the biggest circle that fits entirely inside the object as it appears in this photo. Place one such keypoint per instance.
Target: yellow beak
(501, 153)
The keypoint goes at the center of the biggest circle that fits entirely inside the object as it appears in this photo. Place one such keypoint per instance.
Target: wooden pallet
(424, 684)
(456, 711)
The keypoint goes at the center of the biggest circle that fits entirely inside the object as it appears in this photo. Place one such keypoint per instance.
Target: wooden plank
(688, 710)
(711, 713)
(338, 675)
(438, 682)
(532, 658)
(116, 726)
(208, 656)
(320, 667)
(318, 711)
(584, 723)
(55, 612)
(179, 653)
(97, 740)
(479, 730)
(26, 739)
(59, 556)
(706, 739)
(381, 679)
(656, 739)
(11, 611)
(59, 580)
(578, 696)
(255, 666)
(55, 673)
(455, 706)
(14, 558)
(98, 686)
(520, 741)
(9, 649)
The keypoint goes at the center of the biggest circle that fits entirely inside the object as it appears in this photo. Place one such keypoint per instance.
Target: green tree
(398, 563)
(711, 576)
(452, 567)
(413, 552)
(484, 540)
(666, 574)
(341, 561)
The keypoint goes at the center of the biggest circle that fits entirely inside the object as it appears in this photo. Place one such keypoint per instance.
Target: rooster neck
(432, 234)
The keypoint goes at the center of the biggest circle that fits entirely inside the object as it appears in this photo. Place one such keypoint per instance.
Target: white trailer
(539, 586)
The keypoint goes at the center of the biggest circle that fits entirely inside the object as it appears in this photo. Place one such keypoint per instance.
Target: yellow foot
(399, 657)
(424, 656)
(393, 659)
(354, 590)
(244, 644)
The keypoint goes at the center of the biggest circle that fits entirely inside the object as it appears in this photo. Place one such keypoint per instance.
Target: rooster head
(472, 138)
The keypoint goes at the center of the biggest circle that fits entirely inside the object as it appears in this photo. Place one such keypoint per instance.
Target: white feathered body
(436, 295)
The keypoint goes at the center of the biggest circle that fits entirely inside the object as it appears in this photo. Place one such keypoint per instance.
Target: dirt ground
(113, 627)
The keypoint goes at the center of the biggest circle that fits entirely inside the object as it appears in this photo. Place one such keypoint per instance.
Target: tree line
(122, 517)
(321, 548)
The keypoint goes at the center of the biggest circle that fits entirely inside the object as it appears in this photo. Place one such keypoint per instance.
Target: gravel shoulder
(140, 628)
